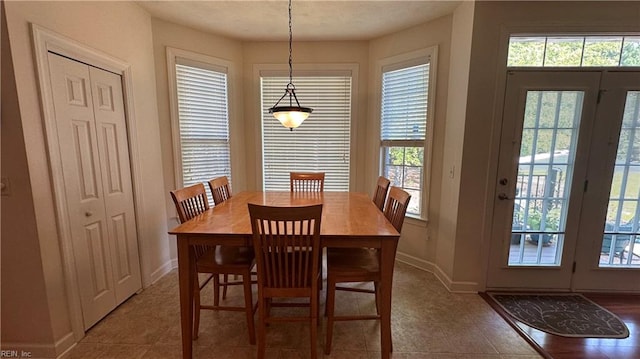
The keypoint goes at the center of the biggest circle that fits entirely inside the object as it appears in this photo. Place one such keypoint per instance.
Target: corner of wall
(23, 306)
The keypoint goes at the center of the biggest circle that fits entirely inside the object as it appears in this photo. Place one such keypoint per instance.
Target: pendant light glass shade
(293, 115)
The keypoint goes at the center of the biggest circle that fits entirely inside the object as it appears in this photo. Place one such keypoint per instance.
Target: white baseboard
(65, 344)
(415, 262)
(162, 270)
(454, 287)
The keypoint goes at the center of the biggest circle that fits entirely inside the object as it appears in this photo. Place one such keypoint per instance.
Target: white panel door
(97, 183)
(116, 180)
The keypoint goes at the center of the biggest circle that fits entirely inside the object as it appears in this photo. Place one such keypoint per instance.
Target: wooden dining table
(348, 220)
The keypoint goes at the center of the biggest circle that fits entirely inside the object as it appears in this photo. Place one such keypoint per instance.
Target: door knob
(88, 214)
(503, 181)
(503, 196)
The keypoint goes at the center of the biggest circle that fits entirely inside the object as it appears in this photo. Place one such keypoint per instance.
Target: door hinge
(573, 269)
(586, 185)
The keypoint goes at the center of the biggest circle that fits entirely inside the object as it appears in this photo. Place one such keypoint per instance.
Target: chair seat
(352, 262)
(225, 257)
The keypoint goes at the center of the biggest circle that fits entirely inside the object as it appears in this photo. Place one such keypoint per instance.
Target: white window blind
(204, 123)
(403, 130)
(321, 144)
(404, 103)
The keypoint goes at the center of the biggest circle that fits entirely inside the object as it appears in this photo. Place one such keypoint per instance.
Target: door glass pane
(621, 238)
(545, 170)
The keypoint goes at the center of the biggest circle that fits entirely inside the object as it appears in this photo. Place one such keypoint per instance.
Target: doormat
(567, 315)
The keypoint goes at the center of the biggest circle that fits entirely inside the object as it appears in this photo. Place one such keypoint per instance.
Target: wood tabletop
(344, 214)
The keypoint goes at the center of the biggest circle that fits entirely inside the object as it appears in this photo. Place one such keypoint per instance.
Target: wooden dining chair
(352, 265)
(306, 181)
(215, 260)
(220, 189)
(380, 195)
(287, 245)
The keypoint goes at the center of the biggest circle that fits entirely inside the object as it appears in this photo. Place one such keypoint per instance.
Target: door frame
(580, 78)
(589, 276)
(45, 41)
(592, 247)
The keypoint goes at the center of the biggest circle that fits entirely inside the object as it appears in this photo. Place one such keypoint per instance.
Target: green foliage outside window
(408, 156)
(576, 51)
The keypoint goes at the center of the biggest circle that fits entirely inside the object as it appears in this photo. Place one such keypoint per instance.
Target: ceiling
(313, 20)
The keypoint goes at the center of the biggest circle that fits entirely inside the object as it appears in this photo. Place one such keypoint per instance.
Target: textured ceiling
(313, 20)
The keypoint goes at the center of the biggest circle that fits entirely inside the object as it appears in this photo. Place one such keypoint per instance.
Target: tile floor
(428, 322)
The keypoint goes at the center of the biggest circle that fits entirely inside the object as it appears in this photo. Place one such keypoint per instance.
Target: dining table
(349, 220)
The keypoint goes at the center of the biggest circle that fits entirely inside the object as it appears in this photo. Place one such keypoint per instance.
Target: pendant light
(293, 115)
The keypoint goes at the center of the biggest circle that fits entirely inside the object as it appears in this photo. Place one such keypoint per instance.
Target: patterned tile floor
(428, 322)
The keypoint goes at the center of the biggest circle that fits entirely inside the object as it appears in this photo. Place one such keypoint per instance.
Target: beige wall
(493, 21)
(165, 35)
(21, 265)
(452, 147)
(419, 241)
(102, 26)
(453, 244)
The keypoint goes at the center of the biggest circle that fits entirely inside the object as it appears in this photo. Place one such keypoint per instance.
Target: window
(573, 51)
(201, 136)
(321, 144)
(403, 129)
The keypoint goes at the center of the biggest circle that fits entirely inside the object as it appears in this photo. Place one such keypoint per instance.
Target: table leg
(387, 259)
(185, 275)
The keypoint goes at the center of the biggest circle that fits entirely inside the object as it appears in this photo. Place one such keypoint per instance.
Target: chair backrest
(622, 241)
(286, 241)
(306, 181)
(220, 189)
(380, 195)
(396, 207)
(190, 201)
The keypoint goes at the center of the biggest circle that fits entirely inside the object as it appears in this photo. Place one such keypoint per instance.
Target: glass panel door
(621, 240)
(546, 130)
(608, 254)
(545, 169)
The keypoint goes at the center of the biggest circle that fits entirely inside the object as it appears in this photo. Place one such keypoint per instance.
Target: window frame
(184, 57)
(339, 69)
(426, 55)
(566, 36)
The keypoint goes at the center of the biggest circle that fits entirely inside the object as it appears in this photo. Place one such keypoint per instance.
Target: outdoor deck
(548, 255)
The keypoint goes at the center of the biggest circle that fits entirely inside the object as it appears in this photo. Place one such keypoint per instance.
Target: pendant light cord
(290, 51)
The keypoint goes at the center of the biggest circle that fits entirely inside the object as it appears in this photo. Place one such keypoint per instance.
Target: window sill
(416, 221)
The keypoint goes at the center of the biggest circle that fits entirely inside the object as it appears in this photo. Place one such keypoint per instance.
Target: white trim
(426, 55)
(415, 262)
(43, 350)
(338, 69)
(455, 287)
(219, 65)
(44, 41)
(451, 286)
(165, 268)
(65, 344)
